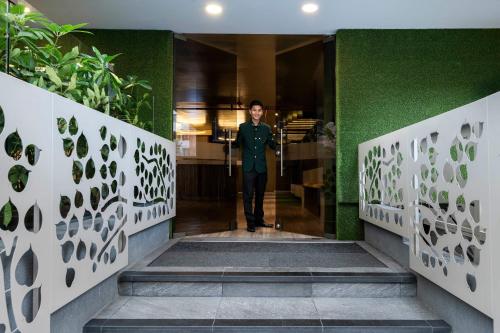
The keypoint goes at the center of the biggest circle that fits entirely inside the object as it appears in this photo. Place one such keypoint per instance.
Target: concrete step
(266, 284)
(270, 314)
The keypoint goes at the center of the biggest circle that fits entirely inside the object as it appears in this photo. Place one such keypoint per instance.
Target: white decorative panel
(450, 202)
(91, 194)
(382, 182)
(25, 207)
(76, 183)
(450, 183)
(152, 180)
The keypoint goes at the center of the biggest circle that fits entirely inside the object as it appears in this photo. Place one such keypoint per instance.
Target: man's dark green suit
(253, 140)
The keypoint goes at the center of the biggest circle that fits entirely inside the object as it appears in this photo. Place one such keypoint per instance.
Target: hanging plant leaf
(32, 153)
(82, 147)
(62, 125)
(68, 146)
(73, 126)
(9, 217)
(18, 177)
(14, 146)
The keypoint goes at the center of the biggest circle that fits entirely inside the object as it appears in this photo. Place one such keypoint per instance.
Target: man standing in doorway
(253, 136)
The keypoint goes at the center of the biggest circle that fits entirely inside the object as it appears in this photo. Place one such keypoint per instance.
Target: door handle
(230, 151)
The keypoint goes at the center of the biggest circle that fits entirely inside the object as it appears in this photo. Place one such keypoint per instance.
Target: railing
(437, 184)
(75, 185)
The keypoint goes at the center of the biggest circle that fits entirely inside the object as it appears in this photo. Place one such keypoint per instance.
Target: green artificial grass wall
(147, 54)
(388, 79)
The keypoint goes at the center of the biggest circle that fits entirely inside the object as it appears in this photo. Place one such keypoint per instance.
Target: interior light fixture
(310, 8)
(213, 9)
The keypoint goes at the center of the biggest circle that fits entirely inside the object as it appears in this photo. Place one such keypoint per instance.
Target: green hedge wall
(388, 79)
(147, 54)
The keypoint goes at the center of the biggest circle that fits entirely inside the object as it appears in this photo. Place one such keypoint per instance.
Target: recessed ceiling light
(310, 8)
(213, 9)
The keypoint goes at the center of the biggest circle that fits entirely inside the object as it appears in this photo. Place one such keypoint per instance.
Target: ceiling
(273, 16)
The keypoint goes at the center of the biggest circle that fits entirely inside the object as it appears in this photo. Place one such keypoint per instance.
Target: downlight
(213, 9)
(310, 8)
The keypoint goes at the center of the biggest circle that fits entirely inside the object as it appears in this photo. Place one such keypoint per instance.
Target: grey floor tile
(267, 290)
(267, 308)
(113, 308)
(177, 289)
(356, 290)
(372, 308)
(169, 308)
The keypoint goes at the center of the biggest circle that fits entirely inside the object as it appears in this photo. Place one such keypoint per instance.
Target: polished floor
(205, 219)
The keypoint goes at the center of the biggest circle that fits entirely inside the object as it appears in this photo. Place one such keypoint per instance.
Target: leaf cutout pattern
(27, 268)
(18, 177)
(14, 146)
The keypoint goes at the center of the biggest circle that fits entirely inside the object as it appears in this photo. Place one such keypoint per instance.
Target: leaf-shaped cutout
(62, 125)
(64, 206)
(137, 156)
(70, 277)
(95, 197)
(113, 143)
(87, 220)
(18, 177)
(471, 150)
(462, 175)
(105, 152)
(122, 147)
(31, 304)
(103, 171)
(68, 146)
(112, 169)
(98, 222)
(73, 126)
(2, 120)
(81, 251)
(61, 229)
(122, 242)
(111, 222)
(90, 169)
(112, 254)
(114, 185)
(156, 149)
(77, 172)
(123, 178)
(119, 211)
(32, 153)
(73, 226)
(82, 146)
(104, 234)
(143, 148)
(104, 191)
(103, 131)
(14, 146)
(67, 250)
(78, 199)
(33, 219)
(92, 251)
(27, 268)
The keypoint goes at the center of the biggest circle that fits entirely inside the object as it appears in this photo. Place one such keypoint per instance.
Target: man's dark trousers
(254, 181)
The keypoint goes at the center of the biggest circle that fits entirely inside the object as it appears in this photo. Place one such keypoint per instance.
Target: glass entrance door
(304, 168)
(206, 171)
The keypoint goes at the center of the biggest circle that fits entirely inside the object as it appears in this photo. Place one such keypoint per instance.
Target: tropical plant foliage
(37, 57)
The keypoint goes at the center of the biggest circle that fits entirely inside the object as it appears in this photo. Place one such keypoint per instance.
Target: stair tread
(299, 314)
(137, 307)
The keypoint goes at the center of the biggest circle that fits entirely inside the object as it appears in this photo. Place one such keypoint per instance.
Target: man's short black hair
(256, 102)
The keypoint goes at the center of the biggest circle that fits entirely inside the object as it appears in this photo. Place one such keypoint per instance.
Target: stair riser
(249, 289)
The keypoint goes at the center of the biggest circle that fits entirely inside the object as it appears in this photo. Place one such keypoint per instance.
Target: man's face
(256, 112)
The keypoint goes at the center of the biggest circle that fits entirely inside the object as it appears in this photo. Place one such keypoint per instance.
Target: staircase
(211, 285)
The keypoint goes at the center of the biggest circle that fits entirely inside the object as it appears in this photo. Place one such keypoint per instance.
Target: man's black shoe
(251, 229)
(265, 225)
